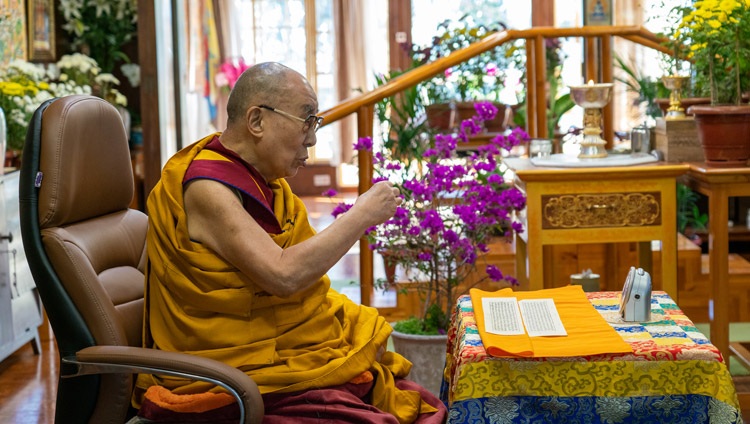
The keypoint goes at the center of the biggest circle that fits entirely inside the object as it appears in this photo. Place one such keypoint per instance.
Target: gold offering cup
(675, 84)
(592, 98)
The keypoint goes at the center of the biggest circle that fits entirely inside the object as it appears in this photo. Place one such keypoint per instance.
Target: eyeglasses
(312, 121)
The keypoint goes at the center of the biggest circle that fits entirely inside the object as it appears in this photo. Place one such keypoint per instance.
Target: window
(279, 31)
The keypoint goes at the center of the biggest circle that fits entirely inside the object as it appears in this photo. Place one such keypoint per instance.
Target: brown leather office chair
(86, 250)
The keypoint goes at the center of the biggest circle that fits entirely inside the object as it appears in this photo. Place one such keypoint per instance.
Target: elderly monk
(236, 273)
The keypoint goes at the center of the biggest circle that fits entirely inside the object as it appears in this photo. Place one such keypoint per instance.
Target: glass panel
(427, 14)
(569, 14)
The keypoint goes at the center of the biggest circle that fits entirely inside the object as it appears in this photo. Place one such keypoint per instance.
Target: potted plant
(718, 34)
(689, 216)
(405, 133)
(449, 96)
(438, 236)
(647, 89)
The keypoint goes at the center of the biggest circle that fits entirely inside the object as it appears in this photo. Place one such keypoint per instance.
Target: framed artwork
(597, 12)
(41, 24)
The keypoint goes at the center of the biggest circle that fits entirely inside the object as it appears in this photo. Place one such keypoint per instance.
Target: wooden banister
(599, 67)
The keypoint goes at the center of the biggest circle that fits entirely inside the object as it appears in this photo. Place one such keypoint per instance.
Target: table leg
(718, 258)
(521, 271)
(548, 273)
(645, 257)
(535, 253)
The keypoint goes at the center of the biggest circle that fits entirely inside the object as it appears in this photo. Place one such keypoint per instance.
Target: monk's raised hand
(380, 201)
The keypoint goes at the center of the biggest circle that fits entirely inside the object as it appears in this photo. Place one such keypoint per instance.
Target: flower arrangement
(450, 212)
(100, 28)
(480, 77)
(718, 33)
(22, 89)
(24, 86)
(229, 72)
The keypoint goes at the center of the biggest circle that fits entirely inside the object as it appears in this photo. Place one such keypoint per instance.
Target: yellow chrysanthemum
(728, 6)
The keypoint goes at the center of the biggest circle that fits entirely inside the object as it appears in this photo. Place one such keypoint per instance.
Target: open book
(563, 311)
(508, 316)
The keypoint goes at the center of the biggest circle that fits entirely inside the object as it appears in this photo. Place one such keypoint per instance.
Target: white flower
(18, 116)
(106, 78)
(80, 62)
(71, 9)
(102, 7)
(31, 71)
(53, 72)
(75, 26)
(120, 99)
(132, 72)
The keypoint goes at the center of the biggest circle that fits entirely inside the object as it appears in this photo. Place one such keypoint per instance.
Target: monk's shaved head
(264, 83)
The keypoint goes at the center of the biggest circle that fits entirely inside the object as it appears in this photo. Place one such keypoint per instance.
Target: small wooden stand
(678, 140)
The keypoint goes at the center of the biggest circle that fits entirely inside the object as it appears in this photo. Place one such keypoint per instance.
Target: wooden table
(718, 184)
(596, 205)
(673, 374)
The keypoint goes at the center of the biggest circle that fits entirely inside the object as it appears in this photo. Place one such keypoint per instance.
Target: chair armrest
(128, 359)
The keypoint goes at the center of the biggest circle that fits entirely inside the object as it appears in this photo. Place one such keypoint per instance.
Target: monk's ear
(254, 120)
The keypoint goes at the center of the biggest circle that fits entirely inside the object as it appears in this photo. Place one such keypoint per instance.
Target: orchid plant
(100, 28)
(451, 211)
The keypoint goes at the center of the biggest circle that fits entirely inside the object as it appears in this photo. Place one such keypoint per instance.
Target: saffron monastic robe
(200, 304)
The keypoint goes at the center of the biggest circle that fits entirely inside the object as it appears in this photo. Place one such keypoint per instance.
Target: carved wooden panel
(567, 211)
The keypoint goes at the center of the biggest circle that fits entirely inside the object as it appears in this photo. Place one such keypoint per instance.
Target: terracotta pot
(686, 102)
(448, 116)
(724, 132)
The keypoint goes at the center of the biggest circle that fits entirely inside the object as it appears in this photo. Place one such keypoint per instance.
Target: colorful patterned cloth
(673, 375)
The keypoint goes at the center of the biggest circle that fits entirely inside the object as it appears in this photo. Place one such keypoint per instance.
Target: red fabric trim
(345, 404)
(257, 196)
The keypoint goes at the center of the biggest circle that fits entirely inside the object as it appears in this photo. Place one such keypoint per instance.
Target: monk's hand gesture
(379, 202)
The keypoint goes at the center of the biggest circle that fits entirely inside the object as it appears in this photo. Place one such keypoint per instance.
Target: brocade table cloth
(673, 375)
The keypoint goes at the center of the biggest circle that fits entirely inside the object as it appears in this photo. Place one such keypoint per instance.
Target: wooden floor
(28, 381)
(28, 384)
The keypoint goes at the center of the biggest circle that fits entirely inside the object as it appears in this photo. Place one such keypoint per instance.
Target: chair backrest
(85, 247)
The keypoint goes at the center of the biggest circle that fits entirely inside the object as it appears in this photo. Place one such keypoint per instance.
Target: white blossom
(132, 72)
(120, 98)
(106, 78)
(102, 7)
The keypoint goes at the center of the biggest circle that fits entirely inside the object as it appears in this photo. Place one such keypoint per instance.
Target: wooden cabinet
(596, 205)
(20, 307)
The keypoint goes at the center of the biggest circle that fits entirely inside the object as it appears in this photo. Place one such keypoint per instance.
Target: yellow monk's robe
(200, 304)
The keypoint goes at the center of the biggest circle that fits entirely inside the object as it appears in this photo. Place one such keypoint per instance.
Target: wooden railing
(598, 58)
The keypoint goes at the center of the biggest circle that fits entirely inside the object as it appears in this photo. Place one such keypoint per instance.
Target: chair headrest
(84, 161)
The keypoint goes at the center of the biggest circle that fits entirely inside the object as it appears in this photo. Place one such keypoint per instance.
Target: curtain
(225, 19)
(351, 75)
(203, 57)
